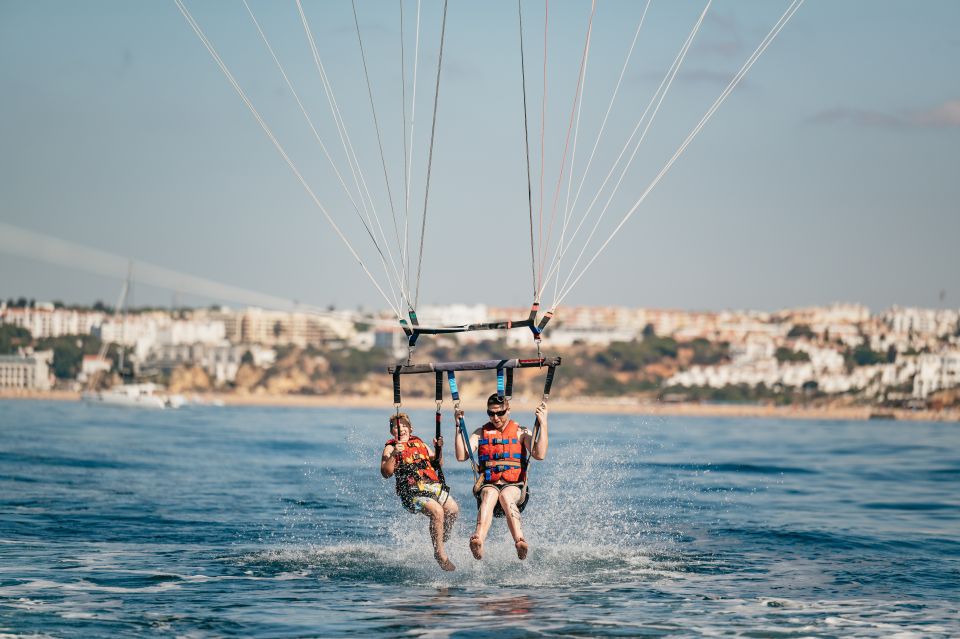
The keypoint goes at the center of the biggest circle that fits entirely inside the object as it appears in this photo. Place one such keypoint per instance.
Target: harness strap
(500, 385)
(396, 389)
(413, 334)
(439, 396)
(547, 384)
(461, 424)
(551, 371)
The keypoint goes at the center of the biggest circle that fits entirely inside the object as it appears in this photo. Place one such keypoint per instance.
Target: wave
(547, 566)
(761, 469)
(910, 506)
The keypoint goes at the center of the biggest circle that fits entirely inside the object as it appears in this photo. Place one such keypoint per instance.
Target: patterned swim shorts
(437, 492)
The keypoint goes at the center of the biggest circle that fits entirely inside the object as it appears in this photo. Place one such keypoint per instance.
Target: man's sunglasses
(498, 413)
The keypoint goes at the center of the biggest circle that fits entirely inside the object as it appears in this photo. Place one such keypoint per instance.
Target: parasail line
(574, 112)
(658, 96)
(790, 11)
(413, 120)
(376, 126)
(316, 134)
(526, 148)
(433, 131)
(344, 135)
(269, 133)
(662, 91)
(570, 207)
(543, 124)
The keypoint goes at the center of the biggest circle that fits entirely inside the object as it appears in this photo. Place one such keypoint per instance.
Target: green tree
(351, 365)
(67, 357)
(785, 354)
(707, 353)
(800, 330)
(68, 352)
(633, 356)
(13, 337)
(862, 355)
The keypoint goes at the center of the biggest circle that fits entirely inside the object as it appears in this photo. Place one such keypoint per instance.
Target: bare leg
(488, 499)
(450, 513)
(509, 497)
(434, 511)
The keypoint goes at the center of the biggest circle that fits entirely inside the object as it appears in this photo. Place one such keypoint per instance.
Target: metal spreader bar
(479, 365)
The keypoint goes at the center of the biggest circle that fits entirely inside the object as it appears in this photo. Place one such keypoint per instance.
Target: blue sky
(830, 173)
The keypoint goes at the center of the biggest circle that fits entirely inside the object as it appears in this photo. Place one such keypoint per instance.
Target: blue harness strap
(501, 385)
(461, 424)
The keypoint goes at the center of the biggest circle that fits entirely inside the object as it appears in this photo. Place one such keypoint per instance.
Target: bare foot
(522, 548)
(446, 564)
(476, 547)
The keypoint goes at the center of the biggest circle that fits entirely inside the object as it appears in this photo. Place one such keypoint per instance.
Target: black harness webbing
(438, 453)
(478, 365)
(413, 330)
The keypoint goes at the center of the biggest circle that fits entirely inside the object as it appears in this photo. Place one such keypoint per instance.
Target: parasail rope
(661, 91)
(404, 260)
(771, 35)
(269, 133)
(323, 146)
(303, 109)
(543, 124)
(569, 207)
(574, 113)
(342, 130)
(433, 131)
(413, 120)
(526, 148)
(376, 126)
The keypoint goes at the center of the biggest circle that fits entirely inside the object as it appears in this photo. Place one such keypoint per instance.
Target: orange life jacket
(414, 467)
(501, 454)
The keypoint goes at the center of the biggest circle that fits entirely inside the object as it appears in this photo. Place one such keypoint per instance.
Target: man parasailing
(503, 450)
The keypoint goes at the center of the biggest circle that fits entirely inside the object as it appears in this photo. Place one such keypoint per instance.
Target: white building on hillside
(92, 365)
(27, 371)
(922, 321)
(46, 321)
(936, 371)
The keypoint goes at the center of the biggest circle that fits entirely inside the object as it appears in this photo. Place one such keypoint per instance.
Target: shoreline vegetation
(580, 405)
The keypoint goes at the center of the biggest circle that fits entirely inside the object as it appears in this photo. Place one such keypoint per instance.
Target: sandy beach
(628, 406)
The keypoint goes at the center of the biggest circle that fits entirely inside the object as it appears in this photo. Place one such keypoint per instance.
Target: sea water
(273, 522)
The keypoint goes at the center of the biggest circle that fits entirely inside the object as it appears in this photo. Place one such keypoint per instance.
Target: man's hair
(496, 399)
(402, 418)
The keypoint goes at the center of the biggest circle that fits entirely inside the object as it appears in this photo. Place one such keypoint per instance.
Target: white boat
(134, 396)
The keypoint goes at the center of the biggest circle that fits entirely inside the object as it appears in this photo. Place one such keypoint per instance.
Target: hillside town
(899, 357)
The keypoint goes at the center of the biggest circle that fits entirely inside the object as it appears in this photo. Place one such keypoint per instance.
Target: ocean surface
(272, 522)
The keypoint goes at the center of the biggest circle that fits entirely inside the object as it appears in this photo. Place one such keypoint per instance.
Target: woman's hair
(402, 418)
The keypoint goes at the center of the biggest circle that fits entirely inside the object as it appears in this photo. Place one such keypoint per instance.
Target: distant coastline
(579, 405)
